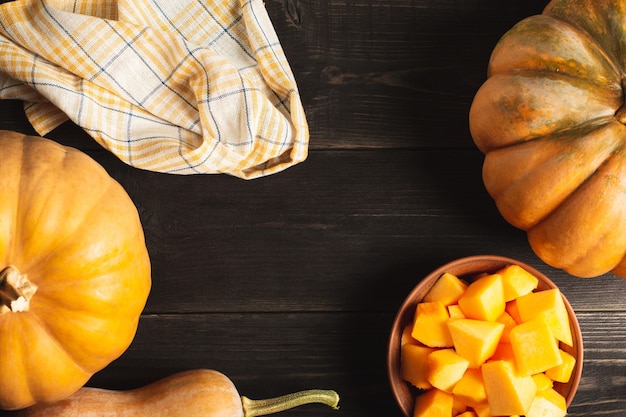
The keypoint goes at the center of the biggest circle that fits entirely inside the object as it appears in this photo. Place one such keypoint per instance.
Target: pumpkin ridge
(585, 14)
(599, 241)
(85, 214)
(516, 36)
(35, 318)
(608, 57)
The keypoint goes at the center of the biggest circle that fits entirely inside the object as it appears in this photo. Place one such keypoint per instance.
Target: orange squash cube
(543, 382)
(508, 321)
(508, 393)
(470, 389)
(455, 312)
(484, 298)
(516, 281)
(482, 410)
(548, 403)
(406, 336)
(469, 413)
(413, 365)
(511, 309)
(550, 304)
(475, 340)
(433, 403)
(504, 352)
(447, 289)
(430, 325)
(457, 406)
(562, 372)
(535, 348)
(444, 368)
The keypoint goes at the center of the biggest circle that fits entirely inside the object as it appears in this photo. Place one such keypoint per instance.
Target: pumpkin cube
(504, 352)
(511, 309)
(562, 372)
(542, 381)
(447, 290)
(484, 298)
(458, 407)
(470, 389)
(430, 325)
(482, 410)
(548, 403)
(445, 368)
(508, 393)
(508, 321)
(475, 340)
(535, 348)
(516, 281)
(413, 364)
(550, 304)
(406, 336)
(455, 312)
(433, 403)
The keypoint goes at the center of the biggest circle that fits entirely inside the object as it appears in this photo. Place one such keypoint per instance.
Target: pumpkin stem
(15, 290)
(253, 408)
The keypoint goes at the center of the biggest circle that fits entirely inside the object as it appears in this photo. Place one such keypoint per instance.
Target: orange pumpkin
(74, 270)
(550, 120)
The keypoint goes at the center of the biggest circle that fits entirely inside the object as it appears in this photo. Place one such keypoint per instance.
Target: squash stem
(253, 408)
(15, 290)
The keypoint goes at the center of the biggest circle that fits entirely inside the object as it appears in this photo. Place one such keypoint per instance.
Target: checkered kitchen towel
(178, 86)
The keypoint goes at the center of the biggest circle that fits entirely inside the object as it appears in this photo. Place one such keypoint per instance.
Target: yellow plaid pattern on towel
(177, 86)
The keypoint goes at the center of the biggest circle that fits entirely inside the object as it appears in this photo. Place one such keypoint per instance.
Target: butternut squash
(198, 392)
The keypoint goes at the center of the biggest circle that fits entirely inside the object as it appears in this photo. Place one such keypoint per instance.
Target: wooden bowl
(468, 268)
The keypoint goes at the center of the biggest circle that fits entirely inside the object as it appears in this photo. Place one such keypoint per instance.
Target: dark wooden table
(292, 281)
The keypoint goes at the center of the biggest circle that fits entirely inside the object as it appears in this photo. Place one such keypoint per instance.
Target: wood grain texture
(292, 281)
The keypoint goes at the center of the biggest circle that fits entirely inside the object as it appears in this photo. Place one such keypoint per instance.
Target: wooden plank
(401, 73)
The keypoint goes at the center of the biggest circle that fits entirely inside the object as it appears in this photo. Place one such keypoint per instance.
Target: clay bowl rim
(468, 267)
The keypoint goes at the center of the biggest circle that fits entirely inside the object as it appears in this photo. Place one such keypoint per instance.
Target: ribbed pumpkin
(550, 120)
(74, 270)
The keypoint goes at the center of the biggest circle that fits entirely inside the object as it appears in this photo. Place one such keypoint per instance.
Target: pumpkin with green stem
(550, 119)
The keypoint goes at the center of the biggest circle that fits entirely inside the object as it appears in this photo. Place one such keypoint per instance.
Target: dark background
(292, 281)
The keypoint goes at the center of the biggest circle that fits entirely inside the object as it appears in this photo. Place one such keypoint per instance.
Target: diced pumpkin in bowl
(413, 365)
(433, 403)
(508, 393)
(447, 290)
(516, 281)
(548, 403)
(495, 351)
(430, 325)
(550, 304)
(484, 298)
(445, 368)
(562, 372)
(535, 348)
(475, 340)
